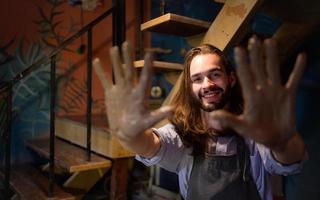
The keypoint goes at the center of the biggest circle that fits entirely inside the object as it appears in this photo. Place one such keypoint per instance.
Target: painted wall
(30, 30)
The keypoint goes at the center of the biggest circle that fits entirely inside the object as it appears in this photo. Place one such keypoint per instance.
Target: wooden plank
(30, 184)
(67, 155)
(119, 178)
(231, 23)
(160, 65)
(84, 181)
(176, 25)
(73, 128)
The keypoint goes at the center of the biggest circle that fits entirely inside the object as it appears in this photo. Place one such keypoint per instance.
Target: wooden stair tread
(73, 128)
(160, 65)
(176, 25)
(98, 120)
(67, 155)
(30, 184)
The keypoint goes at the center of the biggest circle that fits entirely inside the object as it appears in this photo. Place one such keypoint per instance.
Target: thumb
(224, 120)
(155, 116)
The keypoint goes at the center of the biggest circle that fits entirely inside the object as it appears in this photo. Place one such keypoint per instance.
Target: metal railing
(117, 11)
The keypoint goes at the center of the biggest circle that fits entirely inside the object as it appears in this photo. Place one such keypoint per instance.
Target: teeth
(211, 94)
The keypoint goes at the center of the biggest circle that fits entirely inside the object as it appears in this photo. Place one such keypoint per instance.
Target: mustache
(211, 89)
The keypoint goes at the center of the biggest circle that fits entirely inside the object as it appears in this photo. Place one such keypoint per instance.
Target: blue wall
(304, 185)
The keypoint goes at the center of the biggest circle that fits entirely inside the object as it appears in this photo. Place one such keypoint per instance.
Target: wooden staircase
(29, 183)
(73, 129)
(228, 29)
(69, 159)
(67, 155)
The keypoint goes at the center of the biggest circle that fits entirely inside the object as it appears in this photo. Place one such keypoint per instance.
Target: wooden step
(73, 128)
(160, 65)
(176, 25)
(30, 184)
(67, 155)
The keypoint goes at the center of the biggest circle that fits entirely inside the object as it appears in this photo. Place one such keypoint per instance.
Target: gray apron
(216, 177)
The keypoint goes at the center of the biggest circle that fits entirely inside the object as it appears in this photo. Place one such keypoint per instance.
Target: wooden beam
(119, 178)
(160, 65)
(176, 25)
(231, 23)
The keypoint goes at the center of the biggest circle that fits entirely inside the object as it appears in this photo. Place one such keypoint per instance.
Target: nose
(207, 82)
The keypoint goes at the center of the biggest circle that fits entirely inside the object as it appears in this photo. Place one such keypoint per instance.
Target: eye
(196, 79)
(215, 74)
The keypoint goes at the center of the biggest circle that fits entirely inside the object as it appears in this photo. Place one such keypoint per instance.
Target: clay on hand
(127, 100)
(269, 109)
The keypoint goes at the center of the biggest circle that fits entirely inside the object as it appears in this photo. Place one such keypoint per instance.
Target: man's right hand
(127, 101)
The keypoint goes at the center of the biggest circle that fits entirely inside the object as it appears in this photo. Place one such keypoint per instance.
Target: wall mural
(31, 95)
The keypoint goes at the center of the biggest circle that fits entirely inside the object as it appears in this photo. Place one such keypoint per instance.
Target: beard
(218, 104)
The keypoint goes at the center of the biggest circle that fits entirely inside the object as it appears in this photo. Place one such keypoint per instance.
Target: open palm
(269, 110)
(126, 101)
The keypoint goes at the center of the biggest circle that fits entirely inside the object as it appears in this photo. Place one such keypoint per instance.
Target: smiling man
(220, 147)
(211, 84)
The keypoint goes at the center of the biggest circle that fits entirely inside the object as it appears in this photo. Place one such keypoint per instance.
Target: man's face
(210, 83)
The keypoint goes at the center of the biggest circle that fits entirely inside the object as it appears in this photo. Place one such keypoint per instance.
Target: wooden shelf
(176, 25)
(67, 155)
(30, 183)
(160, 65)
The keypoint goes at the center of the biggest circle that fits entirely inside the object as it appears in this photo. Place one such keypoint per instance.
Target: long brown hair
(187, 117)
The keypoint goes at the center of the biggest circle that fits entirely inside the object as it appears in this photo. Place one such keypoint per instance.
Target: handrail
(117, 10)
(54, 52)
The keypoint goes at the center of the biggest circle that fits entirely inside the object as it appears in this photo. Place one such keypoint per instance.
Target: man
(217, 150)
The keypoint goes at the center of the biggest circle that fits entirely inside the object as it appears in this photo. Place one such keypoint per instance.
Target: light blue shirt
(175, 157)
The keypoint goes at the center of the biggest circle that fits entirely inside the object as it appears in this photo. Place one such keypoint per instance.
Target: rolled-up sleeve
(171, 150)
(274, 167)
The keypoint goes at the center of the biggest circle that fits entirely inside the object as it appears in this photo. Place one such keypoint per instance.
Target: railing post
(139, 53)
(52, 125)
(119, 22)
(89, 93)
(8, 143)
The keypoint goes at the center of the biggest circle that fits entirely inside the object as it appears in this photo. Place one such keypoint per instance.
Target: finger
(116, 65)
(272, 62)
(129, 71)
(243, 71)
(297, 72)
(145, 77)
(226, 120)
(106, 84)
(156, 116)
(256, 59)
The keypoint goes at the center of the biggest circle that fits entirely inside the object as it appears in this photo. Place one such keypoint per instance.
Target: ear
(232, 79)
